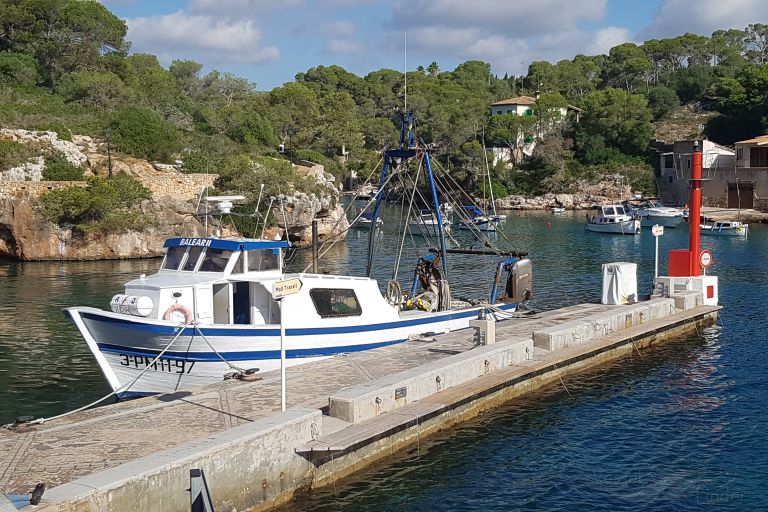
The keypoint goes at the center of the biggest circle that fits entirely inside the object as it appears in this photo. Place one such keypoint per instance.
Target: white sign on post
(657, 231)
(280, 290)
(286, 287)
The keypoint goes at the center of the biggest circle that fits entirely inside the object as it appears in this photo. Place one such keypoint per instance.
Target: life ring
(184, 310)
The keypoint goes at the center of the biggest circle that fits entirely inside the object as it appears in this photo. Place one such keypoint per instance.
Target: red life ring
(181, 309)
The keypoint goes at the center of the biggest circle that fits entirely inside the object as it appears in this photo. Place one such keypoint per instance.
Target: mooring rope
(40, 421)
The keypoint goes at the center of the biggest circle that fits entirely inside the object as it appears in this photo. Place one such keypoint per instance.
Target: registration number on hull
(161, 365)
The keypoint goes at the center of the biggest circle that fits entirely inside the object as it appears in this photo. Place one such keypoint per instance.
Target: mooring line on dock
(40, 421)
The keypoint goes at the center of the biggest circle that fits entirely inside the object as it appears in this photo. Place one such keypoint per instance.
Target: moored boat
(725, 228)
(612, 219)
(473, 218)
(652, 212)
(213, 308)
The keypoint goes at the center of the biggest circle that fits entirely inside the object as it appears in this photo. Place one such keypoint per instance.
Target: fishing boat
(725, 228)
(213, 309)
(651, 212)
(557, 209)
(612, 219)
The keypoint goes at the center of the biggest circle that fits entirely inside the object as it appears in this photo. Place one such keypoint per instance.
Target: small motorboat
(473, 218)
(428, 219)
(651, 212)
(365, 221)
(612, 219)
(558, 209)
(725, 228)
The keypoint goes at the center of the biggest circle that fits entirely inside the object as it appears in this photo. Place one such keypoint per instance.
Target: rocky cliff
(24, 234)
(590, 195)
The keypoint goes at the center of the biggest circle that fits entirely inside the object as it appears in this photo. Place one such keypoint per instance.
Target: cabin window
(215, 260)
(335, 302)
(609, 211)
(192, 259)
(173, 258)
(263, 259)
(238, 268)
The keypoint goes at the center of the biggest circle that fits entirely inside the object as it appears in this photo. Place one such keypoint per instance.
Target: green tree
(662, 101)
(101, 90)
(628, 66)
(379, 132)
(340, 127)
(512, 131)
(143, 133)
(756, 41)
(621, 119)
(17, 69)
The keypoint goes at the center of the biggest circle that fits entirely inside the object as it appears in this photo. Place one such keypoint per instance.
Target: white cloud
(606, 38)
(194, 36)
(342, 46)
(342, 38)
(676, 17)
(521, 18)
(237, 8)
(340, 29)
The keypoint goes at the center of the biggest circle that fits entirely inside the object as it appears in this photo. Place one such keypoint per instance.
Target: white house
(520, 105)
(523, 106)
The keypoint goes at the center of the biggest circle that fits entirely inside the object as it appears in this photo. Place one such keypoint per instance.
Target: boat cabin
(230, 282)
(605, 214)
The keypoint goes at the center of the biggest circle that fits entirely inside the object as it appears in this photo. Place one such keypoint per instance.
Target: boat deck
(105, 437)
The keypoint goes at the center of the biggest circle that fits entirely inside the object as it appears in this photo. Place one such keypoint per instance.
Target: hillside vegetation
(65, 66)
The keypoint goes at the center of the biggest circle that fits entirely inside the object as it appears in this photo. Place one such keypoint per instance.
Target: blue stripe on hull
(244, 356)
(237, 332)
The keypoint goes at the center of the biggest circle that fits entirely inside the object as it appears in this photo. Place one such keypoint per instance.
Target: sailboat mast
(438, 214)
(488, 172)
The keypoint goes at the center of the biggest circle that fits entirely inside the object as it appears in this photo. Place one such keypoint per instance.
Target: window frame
(356, 311)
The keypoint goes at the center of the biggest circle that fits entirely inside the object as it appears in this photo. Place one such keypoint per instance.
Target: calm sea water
(682, 428)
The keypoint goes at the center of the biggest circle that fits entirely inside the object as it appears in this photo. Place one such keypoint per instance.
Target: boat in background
(557, 209)
(651, 212)
(364, 220)
(427, 219)
(613, 219)
(473, 218)
(725, 228)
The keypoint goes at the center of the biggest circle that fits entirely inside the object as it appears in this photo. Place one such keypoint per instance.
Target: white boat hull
(742, 230)
(627, 227)
(125, 345)
(662, 220)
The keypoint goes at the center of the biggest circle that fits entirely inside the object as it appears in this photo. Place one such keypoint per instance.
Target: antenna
(405, 70)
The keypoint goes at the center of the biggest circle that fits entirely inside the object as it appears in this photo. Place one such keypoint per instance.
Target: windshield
(173, 258)
(215, 260)
(192, 258)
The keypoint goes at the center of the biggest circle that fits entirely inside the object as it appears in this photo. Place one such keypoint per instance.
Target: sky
(269, 41)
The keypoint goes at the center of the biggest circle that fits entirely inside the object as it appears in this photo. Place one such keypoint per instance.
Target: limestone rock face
(588, 196)
(301, 208)
(69, 150)
(29, 171)
(26, 235)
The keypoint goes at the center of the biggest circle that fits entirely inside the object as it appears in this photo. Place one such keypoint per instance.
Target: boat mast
(438, 215)
(488, 172)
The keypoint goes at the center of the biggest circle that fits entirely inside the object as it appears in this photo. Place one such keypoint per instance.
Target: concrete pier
(344, 413)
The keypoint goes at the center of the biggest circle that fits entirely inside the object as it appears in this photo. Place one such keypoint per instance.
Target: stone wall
(35, 188)
(184, 187)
